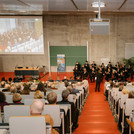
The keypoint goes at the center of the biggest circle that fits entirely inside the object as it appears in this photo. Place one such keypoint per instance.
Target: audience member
(17, 98)
(7, 88)
(38, 95)
(13, 89)
(33, 88)
(41, 87)
(52, 98)
(18, 86)
(37, 108)
(2, 84)
(131, 94)
(74, 110)
(25, 90)
(2, 100)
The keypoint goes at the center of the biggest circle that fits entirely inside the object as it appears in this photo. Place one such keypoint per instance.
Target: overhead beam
(75, 4)
(122, 4)
(23, 3)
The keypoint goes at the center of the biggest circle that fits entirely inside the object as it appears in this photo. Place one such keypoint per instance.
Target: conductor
(98, 81)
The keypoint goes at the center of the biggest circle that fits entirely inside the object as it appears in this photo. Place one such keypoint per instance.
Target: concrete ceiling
(40, 7)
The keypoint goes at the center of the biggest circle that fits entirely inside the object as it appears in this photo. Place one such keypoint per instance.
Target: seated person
(18, 86)
(2, 100)
(10, 80)
(7, 88)
(37, 108)
(74, 110)
(108, 87)
(25, 90)
(38, 95)
(41, 87)
(33, 88)
(125, 91)
(66, 83)
(13, 89)
(72, 90)
(2, 84)
(121, 87)
(71, 79)
(126, 127)
(52, 99)
(131, 94)
(53, 87)
(17, 99)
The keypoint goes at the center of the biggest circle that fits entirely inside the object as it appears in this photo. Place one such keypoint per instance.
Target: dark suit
(74, 111)
(98, 82)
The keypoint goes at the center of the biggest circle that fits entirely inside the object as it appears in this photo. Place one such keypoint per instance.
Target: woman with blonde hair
(16, 98)
(38, 95)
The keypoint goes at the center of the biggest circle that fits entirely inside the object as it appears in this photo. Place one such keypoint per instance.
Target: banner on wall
(60, 62)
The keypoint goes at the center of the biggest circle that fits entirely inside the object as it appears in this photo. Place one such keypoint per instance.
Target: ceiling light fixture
(96, 4)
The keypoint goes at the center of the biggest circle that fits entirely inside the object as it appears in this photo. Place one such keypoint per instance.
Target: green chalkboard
(72, 54)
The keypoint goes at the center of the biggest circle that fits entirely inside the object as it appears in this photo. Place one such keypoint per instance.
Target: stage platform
(54, 75)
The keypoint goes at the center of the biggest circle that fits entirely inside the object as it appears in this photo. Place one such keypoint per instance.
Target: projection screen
(21, 35)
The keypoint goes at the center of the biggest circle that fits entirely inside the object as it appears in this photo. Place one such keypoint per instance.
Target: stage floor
(54, 75)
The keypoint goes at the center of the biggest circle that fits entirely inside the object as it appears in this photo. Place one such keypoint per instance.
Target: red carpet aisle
(96, 117)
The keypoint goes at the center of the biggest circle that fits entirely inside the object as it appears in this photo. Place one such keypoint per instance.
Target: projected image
(22, 35)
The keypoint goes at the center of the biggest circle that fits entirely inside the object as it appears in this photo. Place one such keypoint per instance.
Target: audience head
(121, 87)
(3, 79)
(69, 88)
(41, 87)
(65, 94)
(125, 91)
(111, 83)
(2, 97)
(131, 94)
(16, 98)
(18, 86)
(53, 85)
(2, 84)
(10, 79)
(33, 87)
(37, 107)
(66, 83)
(13, 89)
(52, 98)
(7, 86)
(26, 90)
(38, 95)
(79, 84)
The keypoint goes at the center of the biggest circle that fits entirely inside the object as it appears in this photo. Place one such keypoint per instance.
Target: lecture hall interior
(66, 66)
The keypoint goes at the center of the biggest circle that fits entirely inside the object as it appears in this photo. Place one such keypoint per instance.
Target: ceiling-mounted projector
(99, 25)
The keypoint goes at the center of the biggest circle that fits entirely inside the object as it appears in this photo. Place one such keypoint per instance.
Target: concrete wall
(74, 30)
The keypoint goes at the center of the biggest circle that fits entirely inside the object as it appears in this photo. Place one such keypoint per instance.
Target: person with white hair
(37, 108)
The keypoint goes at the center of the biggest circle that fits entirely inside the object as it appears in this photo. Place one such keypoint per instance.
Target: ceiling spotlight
(96, 4)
